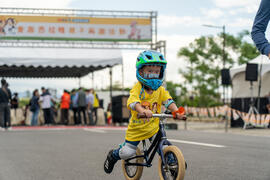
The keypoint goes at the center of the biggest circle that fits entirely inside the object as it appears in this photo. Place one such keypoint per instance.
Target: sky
(179, 23)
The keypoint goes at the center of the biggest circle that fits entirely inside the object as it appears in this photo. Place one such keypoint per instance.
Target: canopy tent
(55, 62)
(241, 87)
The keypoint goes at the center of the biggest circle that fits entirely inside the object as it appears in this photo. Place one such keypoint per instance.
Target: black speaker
(251, 72)
(225, 77)
(120, 112)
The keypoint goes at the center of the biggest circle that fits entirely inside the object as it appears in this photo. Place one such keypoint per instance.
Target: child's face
(150, 72)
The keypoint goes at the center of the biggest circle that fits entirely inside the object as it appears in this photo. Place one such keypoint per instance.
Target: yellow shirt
(140, 129)
(96, 102)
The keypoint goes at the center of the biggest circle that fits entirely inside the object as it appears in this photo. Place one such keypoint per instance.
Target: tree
(204, 59)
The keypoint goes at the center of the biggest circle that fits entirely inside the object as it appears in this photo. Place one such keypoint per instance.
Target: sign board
(75, 28)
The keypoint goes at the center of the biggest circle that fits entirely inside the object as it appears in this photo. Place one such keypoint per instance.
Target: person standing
(5, 97)
(65, 102)
(95, 104)
(259, 27)
(90, 101)
(15, 102)
(74, 105)
(34, 108)
(81, 105)
(46, 99)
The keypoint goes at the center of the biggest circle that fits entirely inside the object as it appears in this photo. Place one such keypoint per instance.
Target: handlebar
(180, 110)
(141, 115)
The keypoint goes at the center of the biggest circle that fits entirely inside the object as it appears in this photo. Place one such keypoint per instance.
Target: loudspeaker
(225, 77)
(120, 112)
(251, 72)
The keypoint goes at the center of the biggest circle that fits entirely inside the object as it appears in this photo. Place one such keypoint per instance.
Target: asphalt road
(79, 155)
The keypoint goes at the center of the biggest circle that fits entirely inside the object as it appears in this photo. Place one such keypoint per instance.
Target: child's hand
(179, 114)
(148, 113)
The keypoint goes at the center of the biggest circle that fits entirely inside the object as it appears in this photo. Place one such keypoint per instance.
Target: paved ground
(78, 153)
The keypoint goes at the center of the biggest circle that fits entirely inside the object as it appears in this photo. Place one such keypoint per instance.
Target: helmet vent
(149, 57)
(161, 57)
(138, 59)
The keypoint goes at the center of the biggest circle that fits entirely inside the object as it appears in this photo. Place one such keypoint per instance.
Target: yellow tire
(177, 170)
(133, 172)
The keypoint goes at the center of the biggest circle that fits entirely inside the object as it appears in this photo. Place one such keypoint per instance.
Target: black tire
(136, 170)
(176, 171)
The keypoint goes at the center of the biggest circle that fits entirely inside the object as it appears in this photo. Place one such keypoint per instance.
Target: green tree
(204, 59)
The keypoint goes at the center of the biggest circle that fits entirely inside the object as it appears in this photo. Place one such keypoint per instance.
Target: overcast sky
(179, 23)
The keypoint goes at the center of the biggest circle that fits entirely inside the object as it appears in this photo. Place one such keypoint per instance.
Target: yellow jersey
(140, 129)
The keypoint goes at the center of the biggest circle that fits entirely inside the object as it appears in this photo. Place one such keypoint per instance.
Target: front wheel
(174, 167)
(133, 172)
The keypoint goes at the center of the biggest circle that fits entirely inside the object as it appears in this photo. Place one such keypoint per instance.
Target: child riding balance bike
(145, 101)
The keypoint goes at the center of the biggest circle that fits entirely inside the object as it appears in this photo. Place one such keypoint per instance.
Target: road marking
(95, 130)
(197, 143)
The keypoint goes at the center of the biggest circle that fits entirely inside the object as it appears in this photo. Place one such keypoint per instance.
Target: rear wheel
(174, 167)
(133, 172)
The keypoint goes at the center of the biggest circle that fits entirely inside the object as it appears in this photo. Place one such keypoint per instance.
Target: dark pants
(5, 115)
(90, 117)
(95, 115)
(75, 115)
(47, 115)
(82, 109)
(64, 116)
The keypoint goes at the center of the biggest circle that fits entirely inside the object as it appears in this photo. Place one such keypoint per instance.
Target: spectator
(108, 114)
(259, 27)
(34, 108)
(89, 102)
(65, 102)
(95, 104)
(54, 110)
(46, 100)
(5, 97)
(15, 102)
(268, 103)
(81, 105)
(74, 105)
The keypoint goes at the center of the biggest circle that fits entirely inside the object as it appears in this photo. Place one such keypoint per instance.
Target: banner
(75, 28)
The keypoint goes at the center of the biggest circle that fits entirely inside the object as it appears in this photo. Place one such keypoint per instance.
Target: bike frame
(156, 146)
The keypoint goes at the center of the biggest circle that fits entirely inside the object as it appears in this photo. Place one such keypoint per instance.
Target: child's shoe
(109, 162)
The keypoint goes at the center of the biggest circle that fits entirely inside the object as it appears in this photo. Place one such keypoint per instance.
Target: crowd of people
(81, 102)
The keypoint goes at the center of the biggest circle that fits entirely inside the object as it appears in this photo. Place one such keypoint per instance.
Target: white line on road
(197, 143)
(94, 130)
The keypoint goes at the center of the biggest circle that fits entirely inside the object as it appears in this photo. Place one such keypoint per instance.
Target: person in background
(65, 102)
(95, 104)
(46, 100)
(15, 102)
(109, 114)
(89, 109)
(5, 97)
(82, 105)
(74, 105)
(268, 102)
(34, 107)
(259, 27)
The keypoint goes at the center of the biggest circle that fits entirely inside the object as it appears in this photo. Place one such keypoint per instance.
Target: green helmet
(151, 57)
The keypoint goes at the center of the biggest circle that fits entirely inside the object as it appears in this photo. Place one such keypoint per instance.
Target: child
(145, 94)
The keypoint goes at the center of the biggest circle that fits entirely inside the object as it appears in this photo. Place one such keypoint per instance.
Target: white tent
(241, 87)
(55, 62)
